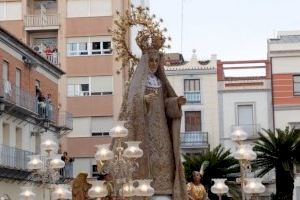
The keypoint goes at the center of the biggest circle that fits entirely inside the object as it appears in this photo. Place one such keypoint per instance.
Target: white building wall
(283, 65)
(82, 165)
(208, 105)
(229, 102)
(288, 117)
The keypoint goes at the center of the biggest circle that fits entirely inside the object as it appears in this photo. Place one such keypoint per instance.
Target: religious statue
(80, 187)
(151, 109)
(195, 189)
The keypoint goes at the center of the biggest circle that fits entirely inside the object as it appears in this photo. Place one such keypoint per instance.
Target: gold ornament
(149, 38)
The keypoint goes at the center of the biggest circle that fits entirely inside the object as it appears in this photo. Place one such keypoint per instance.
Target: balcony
(41, 22)
(192, 96)
(17, 99)
(194, 139)
(251, 129)
(65, 120)
(50, 54)
(13, 163)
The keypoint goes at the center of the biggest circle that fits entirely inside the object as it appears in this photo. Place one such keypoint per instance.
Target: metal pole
(242, 179)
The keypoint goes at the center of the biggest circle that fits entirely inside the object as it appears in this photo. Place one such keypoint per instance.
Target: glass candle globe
(27, 193)
(98, 190)
(49, 145)
(144, 188)
(128, 190)
(56, 162)
(238, 134)
(254, 186)
(118, 132)
(133, 150)
(35, 162)
(61, 192)
(244, 152)
(219, 187)
(103, 152)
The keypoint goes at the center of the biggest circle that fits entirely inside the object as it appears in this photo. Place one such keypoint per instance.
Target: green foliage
(221, 165)
(279, 151)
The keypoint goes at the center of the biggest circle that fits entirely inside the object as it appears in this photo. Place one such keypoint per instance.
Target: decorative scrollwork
(135, 16)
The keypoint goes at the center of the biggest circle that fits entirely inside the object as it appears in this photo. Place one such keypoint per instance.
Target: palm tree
(279, 151)
(220, 164)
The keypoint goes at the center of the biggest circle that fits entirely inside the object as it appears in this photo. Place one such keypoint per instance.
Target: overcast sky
(232, 29)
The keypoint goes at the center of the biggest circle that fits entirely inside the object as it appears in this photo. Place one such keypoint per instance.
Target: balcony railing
(41, 21)
(12, 94)
(194, 139)
(65, 120)
(251, 129)
(192, 96)
(14, 158)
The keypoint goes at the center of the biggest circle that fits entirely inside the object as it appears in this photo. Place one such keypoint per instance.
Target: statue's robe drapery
(157, 125)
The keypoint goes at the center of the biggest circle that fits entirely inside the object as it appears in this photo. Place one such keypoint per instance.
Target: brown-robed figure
(152, 112)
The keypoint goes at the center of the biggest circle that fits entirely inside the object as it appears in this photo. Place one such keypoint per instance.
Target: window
(101, 47)
(192, 90)
(86, 86)
(296, 85)
(89, 8)
(191, 85)
(245, 118)
(5, 70)
(78, 90)
(95, 172)
(80, 48)
(89, 46)
(192, 121)
(10, 11)
(100, 133)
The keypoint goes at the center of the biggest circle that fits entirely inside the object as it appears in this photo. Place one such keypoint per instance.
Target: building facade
(197, 81)
(25, 119)
(74, 36)
(245, 98)
(284, 55)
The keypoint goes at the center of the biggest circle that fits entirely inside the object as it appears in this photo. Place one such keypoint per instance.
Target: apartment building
(73, 35)
(25, 117)
(284, 56)
(197, 81)
(245, 98)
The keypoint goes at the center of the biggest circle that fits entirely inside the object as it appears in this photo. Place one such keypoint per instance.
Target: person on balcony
(49, 107)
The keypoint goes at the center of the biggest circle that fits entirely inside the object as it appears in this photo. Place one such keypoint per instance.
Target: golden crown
(150, 40)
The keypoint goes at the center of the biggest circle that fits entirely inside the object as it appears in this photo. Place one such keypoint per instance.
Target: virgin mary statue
(152, 112)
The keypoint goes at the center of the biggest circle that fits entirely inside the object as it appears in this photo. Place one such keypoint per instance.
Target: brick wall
(28, 77)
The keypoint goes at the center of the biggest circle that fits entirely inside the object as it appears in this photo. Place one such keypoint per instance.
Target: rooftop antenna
(181, 39)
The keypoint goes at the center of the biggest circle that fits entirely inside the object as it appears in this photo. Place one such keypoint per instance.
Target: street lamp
(219, 188)
(244, 154)
(27, 193)
(46, 168)
(254, 186)
(120, 162)
(61, 192)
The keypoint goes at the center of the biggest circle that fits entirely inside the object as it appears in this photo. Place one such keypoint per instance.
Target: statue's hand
(181, 100)
(150, 97)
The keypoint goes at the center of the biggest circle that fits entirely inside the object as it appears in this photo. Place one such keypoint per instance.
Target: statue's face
(153, 62)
